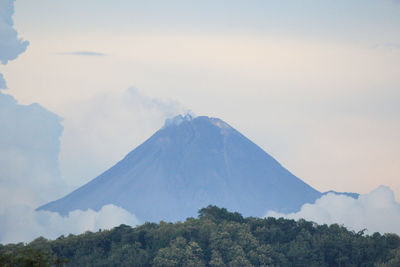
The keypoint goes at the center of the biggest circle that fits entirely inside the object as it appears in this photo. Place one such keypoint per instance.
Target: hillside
(216, 238)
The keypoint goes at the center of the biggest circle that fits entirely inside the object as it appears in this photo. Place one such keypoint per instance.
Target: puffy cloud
(29, 148)
(10, 45)
(30, 176)
(376, 211)
(23, 224)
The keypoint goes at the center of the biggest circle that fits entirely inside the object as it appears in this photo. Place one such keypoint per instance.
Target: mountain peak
(190, 163)
(178, 119)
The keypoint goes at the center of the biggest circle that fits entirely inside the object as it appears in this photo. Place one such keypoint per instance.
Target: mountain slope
(189, 164)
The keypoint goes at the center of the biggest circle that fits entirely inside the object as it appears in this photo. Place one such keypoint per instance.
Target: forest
(216, 238)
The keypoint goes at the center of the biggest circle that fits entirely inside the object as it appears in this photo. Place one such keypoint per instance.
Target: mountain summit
(186, 165)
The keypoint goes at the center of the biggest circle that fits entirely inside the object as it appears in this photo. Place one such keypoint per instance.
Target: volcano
(189, 164)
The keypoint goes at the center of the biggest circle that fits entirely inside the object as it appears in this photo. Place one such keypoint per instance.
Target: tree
(180, 253)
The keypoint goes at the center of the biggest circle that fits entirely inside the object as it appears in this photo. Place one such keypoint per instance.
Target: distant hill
(188, 164)
(216, 238)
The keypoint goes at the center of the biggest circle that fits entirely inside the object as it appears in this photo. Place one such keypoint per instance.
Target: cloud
(23, 224)
(29, 166)
(29, 135)
(29, 148)
(10, 45)
(30, 176)
(84, 53)
(376, 211)
(101, 130)
(3, 84)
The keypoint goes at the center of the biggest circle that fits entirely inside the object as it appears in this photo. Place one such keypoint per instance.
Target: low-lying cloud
(376, 211)
(24, 224)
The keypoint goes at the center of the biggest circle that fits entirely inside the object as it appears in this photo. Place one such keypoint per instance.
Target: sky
(314, 83)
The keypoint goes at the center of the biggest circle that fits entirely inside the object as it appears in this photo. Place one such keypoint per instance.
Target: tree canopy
(216, 238)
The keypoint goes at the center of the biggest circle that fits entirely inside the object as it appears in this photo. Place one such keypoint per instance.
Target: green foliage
(32, 255)
(180, 253)
(216, 238)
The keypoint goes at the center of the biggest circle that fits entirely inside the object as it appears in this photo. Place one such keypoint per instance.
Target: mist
(377, 211)
(24, 224)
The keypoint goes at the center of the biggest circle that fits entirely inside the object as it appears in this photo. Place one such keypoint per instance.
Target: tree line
(216, 238)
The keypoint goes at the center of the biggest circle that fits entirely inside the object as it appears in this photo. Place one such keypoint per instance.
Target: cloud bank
(23, 224)
(29, 148)
(10, 45)
(30, 176)
(376, 211)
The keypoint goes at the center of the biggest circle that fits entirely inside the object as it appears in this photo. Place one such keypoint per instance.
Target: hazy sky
(314, 83)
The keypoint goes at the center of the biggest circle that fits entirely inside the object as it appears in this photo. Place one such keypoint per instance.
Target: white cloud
(376, 211)
(30, 176)
(101, 130)
(29, 147)
(23, 224)
(10, 45)
(29, 170)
